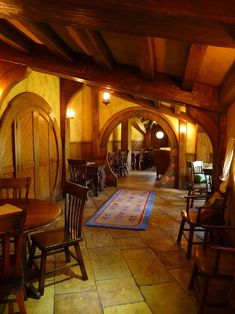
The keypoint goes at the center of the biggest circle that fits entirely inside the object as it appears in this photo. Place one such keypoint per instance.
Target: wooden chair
(78, 174)
(11, 260)
(122, 161)
(196, 180)
(61, 240)
(192, 217)
(14, 187)
(214, 265)
(112, 158)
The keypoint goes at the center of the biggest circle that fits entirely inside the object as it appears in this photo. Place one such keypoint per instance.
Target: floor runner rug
(125, 209)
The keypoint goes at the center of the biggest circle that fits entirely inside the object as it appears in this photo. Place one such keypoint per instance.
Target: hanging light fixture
(159, 135)
(106, 98)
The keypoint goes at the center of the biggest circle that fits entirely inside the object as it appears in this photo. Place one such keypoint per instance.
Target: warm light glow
(70, 114)
(182, 129)
(106, 98)
(159, 135)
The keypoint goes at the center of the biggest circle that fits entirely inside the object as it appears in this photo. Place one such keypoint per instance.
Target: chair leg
(42, 272)
(80, 261)
(190, 242)
(181, 230)
(204, 295)
(192, 278)
(67, 255)
(31, 255)
(20, 300)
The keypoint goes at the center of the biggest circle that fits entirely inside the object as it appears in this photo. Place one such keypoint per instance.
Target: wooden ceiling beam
(190, 21)
(210, 10)
(50, 39)
(13, 38)
(194, 61)
(96, 47)
(227, 89)
(124, 79)
(146, 54)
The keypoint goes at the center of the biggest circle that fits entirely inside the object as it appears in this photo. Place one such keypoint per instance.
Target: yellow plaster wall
(116, 105)
(136, 135)
(47, 86)
(191, 137)
(81, 125)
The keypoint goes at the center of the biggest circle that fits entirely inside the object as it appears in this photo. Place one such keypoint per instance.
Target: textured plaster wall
(116, 105)
(47, 86)
(81, 125)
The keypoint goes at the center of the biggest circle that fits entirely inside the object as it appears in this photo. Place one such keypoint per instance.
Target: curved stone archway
(170, 178)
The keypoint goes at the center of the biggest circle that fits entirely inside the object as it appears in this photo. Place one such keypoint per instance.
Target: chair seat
(53, 239)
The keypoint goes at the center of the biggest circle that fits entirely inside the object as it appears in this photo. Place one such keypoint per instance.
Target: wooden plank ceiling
(151, 52)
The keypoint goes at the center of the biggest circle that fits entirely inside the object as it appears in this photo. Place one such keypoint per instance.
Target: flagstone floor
(129, 271)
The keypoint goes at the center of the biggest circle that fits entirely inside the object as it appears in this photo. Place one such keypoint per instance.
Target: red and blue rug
(125, 209)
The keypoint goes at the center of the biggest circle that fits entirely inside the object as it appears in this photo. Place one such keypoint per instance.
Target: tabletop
(40, 213)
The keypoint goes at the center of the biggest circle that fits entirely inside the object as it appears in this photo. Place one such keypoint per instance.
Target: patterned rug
(125, 209)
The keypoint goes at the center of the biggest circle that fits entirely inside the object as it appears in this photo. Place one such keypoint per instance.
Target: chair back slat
(74, 206)
(78, 171)
(14, 187)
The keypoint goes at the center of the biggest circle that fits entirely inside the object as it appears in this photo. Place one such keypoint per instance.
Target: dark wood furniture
(40, 213)
(14, 187)
(192, 217)
(78, 173)
(162, 161)
(61, 240)
(214, 263)
(11, 260)
(193, 186)
(96, 172)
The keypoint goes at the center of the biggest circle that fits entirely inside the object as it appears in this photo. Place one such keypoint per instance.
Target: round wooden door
(30, 145)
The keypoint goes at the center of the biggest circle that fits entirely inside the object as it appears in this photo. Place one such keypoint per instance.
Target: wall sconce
(159, 135)
(183, 129)
(106, 98)
(70, 114)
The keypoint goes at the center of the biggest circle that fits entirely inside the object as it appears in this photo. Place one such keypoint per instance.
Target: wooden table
(40, 213)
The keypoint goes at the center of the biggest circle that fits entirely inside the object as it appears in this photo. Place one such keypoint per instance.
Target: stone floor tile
(118, 291)
(174, 259)
(130, 243)
(168, 298)
(145, 266)
(98, 239)
(43, 306)
(123, 233)
(70, 281)
(182, 276)
(134, 308)
(80, 303)
(107, 263)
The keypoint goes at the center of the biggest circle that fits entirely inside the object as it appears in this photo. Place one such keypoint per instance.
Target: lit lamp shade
(70, 114)
(159, 135)
(106, 98)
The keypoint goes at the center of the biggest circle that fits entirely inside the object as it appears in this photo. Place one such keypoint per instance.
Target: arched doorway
(169, 179)
(30, 144)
